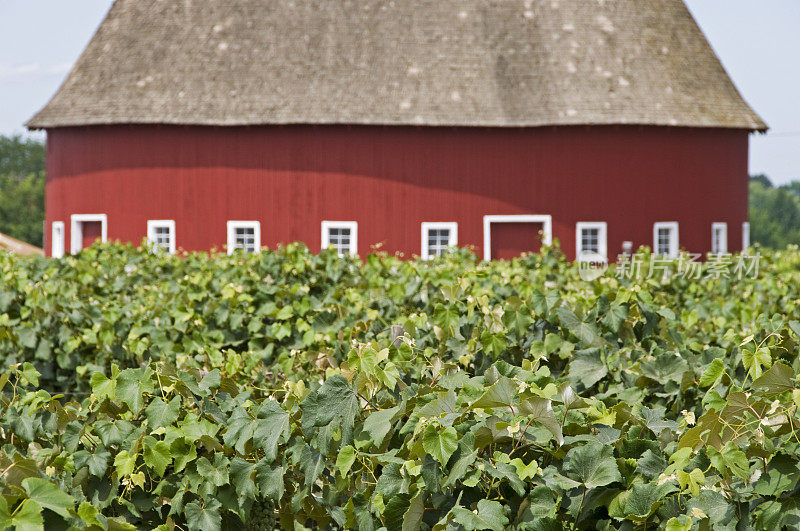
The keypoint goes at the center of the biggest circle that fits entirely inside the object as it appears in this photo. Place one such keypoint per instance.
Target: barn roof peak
(499, 63)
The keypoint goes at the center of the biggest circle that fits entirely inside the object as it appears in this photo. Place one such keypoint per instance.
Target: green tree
(774, 214)
(22, 178)
(21, 156)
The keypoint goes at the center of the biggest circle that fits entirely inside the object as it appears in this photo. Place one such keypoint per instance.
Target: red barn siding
(390, 179)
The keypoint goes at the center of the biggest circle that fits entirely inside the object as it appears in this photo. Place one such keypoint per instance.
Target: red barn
(416, 124)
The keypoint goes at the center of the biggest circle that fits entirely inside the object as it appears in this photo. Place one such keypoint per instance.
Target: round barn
(413, 124)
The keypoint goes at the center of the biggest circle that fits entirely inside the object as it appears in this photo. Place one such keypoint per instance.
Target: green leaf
(335, 404)
(102, 386)
(216, 473)
(584, 331)
(156, 455)
(270, 480)
(182, 453)
(466, 456)
(272, 422)
(440, 442)
(49, 496)
(210, 381)
(390, 481)
(243, 476)
(161, 414)
(643, 499)
(651, 465)
(781, 476)
(412, 519)
(96, 461)
(345, 459)
(654, 420)
(378, 424)
(755, 359)
(132, 384)
(500, 394)
(692, 480)
(587, 367)
(541, 410)
(125, 463)
(446, 318)
(488, 515)
(203, 518)
(778, 379)
(541, 504)
(493, 344)
(616, 315)
(679, 523)
(91, 515)
(26, 336)
(592, 465)
(30, 374)
(28, 517)
(712, 375)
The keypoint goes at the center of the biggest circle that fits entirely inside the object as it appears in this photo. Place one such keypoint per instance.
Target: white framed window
(86, 225)
(57, 240)
(665, 239)
(719, 238)
(545, 220)
(591, 241)
(161, 233)
(745, 235)
(244, 236)
(341, 235)
(437, 238)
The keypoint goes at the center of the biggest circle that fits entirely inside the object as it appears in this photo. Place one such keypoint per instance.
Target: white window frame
(545, 220)
(723, 243)
(745, 236)
(427, 226)
(674, 244)
(153, 224)
(327, 225)
(57, 240)
(76, 229)
(233, 225)
(602, 240)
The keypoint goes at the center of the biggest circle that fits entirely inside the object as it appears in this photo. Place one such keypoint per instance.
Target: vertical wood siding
(390, 179)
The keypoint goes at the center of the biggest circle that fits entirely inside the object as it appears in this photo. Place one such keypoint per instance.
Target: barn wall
(392, 179)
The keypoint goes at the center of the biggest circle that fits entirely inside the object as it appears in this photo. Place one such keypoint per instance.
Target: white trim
(153, 224)
(426, 226)
(57, 239)
(351, 225)
(602, 240)
(745, 236)
(545, 220)
(76, 230)
(674, 244)
(723, 244)
(233, 225)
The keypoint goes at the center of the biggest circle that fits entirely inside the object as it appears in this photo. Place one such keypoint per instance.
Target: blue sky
(758, 41)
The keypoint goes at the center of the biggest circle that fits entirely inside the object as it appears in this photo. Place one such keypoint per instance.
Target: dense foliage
(774, 212)
(268, 390)
(22, 188)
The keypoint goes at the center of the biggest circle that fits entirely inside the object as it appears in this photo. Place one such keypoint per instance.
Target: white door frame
(57, 238)
(545, 220)
(76, 230)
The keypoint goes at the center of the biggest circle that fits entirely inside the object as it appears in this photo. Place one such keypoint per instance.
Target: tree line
(774, 210)
(22, 179)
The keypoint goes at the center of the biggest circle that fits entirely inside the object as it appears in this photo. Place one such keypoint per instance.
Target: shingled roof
(499, 63)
